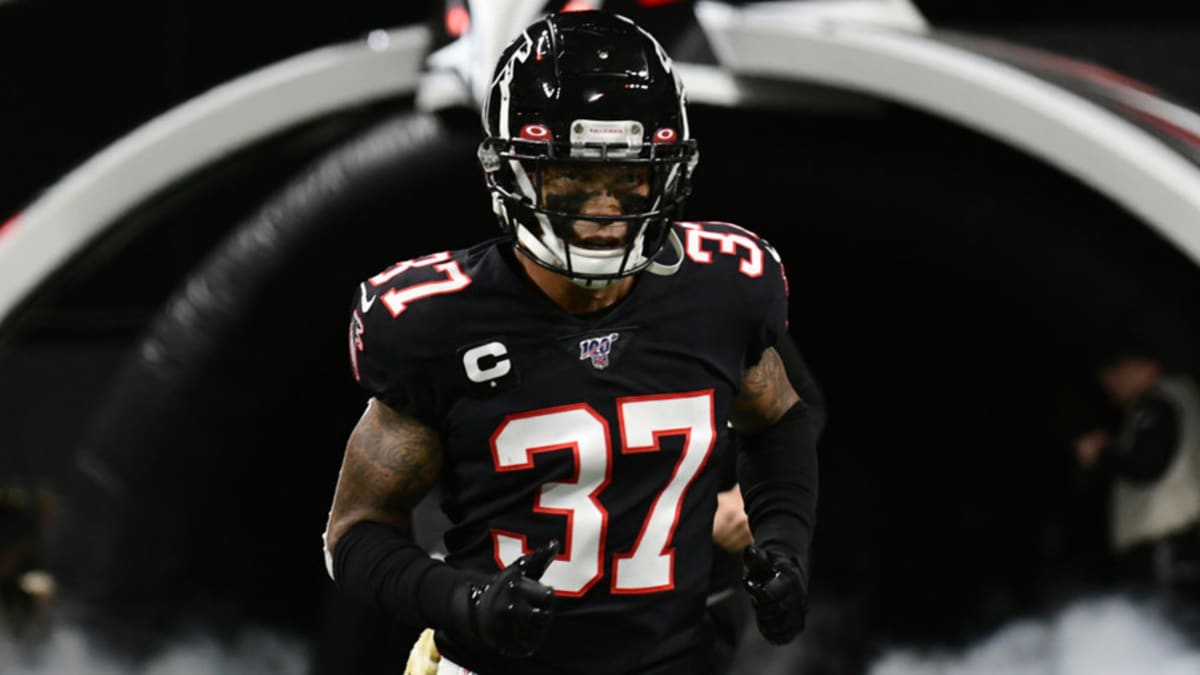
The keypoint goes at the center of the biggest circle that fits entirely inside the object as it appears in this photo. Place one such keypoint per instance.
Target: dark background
(952, 295)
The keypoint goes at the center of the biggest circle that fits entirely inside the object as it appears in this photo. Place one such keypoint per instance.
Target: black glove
(512, 611)
(777, 589)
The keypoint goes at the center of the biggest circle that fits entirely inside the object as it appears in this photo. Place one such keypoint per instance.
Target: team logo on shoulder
(365, 299)
(598, 349)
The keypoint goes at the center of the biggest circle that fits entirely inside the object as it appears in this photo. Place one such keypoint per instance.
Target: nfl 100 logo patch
(598, 349)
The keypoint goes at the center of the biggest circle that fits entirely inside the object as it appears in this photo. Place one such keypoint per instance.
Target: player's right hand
(512, 612)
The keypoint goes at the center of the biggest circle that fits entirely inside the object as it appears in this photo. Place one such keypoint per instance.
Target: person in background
(26, 591)
(1150, 460)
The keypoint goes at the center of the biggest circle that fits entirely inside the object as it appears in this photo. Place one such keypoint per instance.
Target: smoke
(68, 651)
(1102, 636)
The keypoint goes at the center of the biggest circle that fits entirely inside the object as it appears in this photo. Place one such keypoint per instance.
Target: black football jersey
(598, 430)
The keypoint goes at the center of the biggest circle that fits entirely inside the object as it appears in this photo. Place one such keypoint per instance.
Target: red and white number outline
(729, 243)
(649, 567)
(397, 299)
(653, 557)
(577, 575)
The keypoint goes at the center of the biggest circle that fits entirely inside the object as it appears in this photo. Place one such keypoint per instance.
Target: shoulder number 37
(453, 279)
(650, 566)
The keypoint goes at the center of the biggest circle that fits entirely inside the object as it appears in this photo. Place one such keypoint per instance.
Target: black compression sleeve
(802, 381)
(378, 565)
(777, 470)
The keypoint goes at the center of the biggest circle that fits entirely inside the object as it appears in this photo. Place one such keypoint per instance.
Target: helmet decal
(521, 53)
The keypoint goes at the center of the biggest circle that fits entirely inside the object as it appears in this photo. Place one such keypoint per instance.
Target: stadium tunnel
(952, 292)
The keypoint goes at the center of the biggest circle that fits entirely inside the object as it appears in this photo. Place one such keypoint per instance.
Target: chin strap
(539, 249)
(666, 270)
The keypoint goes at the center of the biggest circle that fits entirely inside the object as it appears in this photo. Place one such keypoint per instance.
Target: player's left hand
(777, 590)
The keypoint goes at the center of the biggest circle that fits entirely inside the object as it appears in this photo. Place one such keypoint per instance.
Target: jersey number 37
(650, 566)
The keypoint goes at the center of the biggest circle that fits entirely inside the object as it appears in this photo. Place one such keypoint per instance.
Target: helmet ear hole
(489, 159)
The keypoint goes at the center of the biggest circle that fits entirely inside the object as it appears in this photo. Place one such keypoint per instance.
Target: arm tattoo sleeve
(391, 461)
(764, 395)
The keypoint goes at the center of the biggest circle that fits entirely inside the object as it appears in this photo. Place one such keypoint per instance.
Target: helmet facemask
(592, 212)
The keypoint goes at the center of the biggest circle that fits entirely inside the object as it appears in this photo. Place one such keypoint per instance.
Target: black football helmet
(585, 92)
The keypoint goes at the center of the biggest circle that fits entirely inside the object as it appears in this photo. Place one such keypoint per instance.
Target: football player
(567, 386)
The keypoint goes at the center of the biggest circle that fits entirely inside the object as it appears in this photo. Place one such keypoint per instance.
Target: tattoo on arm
(391, 461)
(764, 395)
